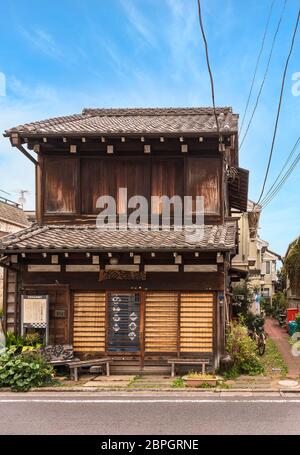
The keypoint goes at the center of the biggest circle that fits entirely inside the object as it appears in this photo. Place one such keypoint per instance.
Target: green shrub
(243, 351)
(178, 382)
(23, 342)
(279, 305)
(265, 306)
(21, 371)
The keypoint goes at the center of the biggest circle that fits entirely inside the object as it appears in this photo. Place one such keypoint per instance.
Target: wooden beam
(147, 148)
(44, 255)
(200, 139)
(181, 139)
(162, 139)
(178, 259)
(83, 139)
(184, 148)
(43, 268)
(161, 268)
(45, 139)
(123, 139)
(14, 259)
(142, 139)
(82, 268)
(95, 260)
(73, 148)
(36, 148)
(220, 258)
(102, 139)
(15, 139)
(200, 268)
(65, 139)
(110, 149)
(123, 267)
(136, 259)
(54, 259)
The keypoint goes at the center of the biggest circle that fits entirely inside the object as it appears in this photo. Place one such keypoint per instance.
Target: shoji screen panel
(196, 322)
(89, 321)
(161, 321)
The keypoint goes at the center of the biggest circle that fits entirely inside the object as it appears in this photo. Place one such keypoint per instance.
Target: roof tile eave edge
(18, 250)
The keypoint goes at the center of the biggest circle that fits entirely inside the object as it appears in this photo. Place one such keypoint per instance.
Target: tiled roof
(12, 214)
(134, 121)
(89, 238)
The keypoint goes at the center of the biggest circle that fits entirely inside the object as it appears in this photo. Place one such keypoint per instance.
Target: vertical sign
(124, 322)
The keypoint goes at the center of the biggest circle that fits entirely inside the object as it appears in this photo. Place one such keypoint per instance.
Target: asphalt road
(112, 414)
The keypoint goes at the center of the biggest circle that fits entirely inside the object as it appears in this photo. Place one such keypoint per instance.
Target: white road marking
(139, 401)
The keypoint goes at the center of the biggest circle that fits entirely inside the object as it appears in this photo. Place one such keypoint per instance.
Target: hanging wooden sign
(121, 275)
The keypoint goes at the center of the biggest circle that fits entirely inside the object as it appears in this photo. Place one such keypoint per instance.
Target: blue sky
(61, 56)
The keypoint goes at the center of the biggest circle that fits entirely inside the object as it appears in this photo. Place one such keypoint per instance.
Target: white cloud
(43, 42)
(139, 22)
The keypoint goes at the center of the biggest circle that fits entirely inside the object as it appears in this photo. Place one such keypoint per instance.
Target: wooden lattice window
(196, 322)
(89, 322)
(161, 321)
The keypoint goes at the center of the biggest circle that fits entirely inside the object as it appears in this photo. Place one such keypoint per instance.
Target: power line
(265, 75)
(279, 108)
(290, 170)
(282, 170)
(276, 189)
(208, 66)
(257, 64)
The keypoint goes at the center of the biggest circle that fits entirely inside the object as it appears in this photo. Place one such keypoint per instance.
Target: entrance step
(153, 370)
(137, 371)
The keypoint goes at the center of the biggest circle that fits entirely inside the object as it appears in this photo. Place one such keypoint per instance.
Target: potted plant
(200, 379)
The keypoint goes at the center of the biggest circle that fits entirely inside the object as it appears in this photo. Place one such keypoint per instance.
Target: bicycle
(257, 333)
(260, 339)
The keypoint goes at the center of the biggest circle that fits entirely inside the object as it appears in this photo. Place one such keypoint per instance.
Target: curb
(173, 390)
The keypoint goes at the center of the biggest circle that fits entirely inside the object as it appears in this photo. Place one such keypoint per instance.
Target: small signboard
(34, 314)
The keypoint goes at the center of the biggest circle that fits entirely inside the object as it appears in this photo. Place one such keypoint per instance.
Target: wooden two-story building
(138, 296)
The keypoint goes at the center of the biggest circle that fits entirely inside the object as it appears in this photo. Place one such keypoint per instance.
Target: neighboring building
(248, 225)
(143, 296)
(12, 219)
(293, 288)
(254, 259)
(269, 273)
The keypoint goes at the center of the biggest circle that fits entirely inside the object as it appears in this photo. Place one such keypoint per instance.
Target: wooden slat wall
(89, 322)
(161, 321)
(196, 322)
(10, 298)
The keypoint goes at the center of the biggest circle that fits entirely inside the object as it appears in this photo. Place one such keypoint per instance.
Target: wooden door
(161, 322)
(123, 322)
